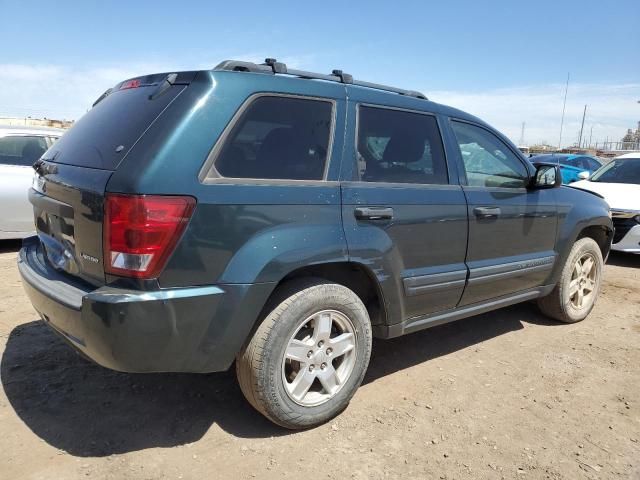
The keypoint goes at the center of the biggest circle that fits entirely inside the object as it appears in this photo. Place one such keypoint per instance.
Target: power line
(564, 106)
(582, 127)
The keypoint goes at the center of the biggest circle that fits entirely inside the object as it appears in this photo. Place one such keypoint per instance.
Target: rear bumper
(196, 329)
(630, 242)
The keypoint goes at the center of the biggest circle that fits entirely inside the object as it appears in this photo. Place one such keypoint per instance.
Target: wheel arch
(600, 230)
(602, 236)
(355, 276)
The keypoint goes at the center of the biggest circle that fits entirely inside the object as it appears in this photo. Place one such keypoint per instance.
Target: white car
(20, 147)
(619, 183)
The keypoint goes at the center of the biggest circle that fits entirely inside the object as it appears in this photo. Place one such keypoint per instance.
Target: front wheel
(575, 295)
(308, 356)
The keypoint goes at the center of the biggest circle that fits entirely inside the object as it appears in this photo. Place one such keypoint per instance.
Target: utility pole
(564, 105)
(521, 142)
(590, 136)
(582, 127)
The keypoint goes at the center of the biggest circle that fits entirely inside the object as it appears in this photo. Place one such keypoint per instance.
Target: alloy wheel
(583, 282)
(319, 358)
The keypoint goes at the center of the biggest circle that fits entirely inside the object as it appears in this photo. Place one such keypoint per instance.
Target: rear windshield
(103, 136)
(21, 150)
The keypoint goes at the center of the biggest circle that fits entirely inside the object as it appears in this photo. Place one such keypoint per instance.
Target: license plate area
(57, 236)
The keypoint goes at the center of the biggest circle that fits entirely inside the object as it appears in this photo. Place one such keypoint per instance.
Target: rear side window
(588, 163)
(487, 160)
(21, 150)
(278, 137)
(399, 147)
(577, 162)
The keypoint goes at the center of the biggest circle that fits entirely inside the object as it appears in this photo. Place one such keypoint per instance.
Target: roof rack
(272, 66)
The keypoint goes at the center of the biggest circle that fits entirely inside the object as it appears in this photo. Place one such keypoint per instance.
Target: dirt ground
(507, 394)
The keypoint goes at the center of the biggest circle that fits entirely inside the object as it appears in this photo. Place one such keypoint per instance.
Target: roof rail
(272, 66)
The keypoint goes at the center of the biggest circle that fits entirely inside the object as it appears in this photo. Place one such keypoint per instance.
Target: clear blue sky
(455, 44)
(461, 46)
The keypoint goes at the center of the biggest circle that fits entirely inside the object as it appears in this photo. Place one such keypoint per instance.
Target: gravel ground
(507, 394)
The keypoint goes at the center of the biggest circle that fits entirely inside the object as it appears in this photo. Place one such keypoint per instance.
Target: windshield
(619, 171)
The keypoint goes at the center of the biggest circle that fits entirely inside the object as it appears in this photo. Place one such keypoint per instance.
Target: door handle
(487, 212)
(373, 213)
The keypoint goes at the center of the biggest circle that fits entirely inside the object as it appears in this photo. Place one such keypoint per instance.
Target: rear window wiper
(166, 84)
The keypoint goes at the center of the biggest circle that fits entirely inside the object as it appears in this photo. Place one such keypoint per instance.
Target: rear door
(512, 229)
(402, 216)
(268, 193)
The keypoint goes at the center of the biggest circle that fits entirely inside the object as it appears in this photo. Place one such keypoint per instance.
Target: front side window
(278, 138)
(21, 150)
(488, 162)
(399, 147)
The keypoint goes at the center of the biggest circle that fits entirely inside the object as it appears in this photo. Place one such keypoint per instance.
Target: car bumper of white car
(629, 241)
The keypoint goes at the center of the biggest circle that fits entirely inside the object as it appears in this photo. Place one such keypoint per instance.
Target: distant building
(36, 122)
(542, 148)
(632, 137)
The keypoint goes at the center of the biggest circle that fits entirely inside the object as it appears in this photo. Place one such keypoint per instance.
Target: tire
(563, 303)
(276, 356)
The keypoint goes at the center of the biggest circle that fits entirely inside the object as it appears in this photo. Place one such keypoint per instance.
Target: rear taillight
(140, 232)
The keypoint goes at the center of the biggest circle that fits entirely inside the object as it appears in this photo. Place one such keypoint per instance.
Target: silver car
(20, 147)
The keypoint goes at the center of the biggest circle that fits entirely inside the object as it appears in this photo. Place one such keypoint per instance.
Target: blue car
(570, 164)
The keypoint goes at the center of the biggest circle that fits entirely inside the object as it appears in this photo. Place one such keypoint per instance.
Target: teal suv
(280, 219)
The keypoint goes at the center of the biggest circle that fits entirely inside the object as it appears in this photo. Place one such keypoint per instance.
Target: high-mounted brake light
(141, 231)
(135, 83)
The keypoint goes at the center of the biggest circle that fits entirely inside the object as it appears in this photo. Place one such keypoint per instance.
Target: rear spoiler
(162, 80)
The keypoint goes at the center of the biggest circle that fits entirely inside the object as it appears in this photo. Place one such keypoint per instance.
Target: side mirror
(584, 175)
(547, 176)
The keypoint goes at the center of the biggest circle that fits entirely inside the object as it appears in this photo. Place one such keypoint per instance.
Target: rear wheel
(308, 357)
(574, 296)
